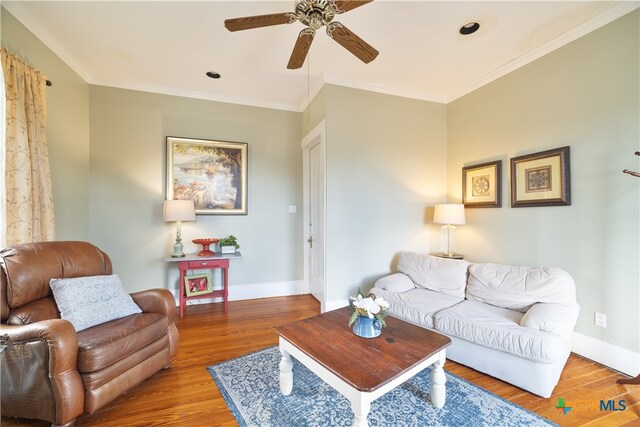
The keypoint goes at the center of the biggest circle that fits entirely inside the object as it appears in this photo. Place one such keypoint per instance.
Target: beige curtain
(27, 181)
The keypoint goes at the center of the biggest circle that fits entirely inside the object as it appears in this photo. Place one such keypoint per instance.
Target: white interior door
(316, 223)
(313, 149)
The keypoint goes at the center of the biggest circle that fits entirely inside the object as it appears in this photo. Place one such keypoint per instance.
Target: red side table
(194, 262)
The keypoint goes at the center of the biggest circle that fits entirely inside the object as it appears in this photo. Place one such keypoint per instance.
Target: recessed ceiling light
(469, 28)
(213, 74)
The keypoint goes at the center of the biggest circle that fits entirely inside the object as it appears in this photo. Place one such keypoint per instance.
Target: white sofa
(513, 323)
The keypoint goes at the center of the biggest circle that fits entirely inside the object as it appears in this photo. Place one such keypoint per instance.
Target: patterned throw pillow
(92, 300)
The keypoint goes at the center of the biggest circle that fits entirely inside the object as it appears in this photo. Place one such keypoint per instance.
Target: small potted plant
(229, 244)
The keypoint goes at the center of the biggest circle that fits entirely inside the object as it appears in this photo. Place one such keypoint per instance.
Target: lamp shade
(179, 210)
(449, 213)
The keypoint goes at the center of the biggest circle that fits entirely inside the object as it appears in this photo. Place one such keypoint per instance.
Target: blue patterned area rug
(250, 386)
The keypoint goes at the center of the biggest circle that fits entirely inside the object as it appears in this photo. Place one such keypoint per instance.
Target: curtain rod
(49, 83)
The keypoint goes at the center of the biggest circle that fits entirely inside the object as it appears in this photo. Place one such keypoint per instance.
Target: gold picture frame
(482, 185)
(541, 179)
(211, 173)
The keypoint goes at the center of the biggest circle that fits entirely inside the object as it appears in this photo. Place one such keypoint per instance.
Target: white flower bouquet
(371, 306)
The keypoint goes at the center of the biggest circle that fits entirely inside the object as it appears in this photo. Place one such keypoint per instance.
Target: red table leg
(182, 266)
(225, 283)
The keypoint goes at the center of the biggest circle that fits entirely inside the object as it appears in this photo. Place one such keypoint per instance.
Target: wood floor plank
(186, 395)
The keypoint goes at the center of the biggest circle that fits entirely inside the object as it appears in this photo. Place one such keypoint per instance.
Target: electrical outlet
(600, 319)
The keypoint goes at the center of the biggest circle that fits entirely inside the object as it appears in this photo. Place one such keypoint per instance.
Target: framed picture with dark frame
(541, 179)
(482, 185)
(211, 173)
(198, 284)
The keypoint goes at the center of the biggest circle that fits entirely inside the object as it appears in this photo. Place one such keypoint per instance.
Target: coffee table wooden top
(364, 363)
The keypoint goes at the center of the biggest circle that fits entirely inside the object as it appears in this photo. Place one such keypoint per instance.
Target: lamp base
(177, 249)
(451, 256)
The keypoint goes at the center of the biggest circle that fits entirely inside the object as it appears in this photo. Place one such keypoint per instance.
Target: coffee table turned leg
(438, 379)
(361, 408)
(286, 373)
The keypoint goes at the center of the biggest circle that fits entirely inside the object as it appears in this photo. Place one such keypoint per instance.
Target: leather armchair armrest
(157, 301)
(557, 319)
(38, 375)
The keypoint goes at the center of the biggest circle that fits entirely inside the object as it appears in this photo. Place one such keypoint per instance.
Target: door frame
(317, 136)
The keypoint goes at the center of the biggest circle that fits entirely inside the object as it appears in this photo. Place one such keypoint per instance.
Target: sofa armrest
(557, 319)
(397, 282)
(38, 374)
(157, 301)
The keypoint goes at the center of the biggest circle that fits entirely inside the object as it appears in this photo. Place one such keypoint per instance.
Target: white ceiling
(168, 46)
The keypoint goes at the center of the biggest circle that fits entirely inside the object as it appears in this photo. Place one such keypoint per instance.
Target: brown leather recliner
(54, 373)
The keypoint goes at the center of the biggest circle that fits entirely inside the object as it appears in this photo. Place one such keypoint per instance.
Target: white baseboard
(610, 355)
(333, 305)
(254, 291)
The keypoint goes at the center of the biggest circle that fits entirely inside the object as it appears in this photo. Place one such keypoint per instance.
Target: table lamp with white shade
(450, 214)
(179, 210)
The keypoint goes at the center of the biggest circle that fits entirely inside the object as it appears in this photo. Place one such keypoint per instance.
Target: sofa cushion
(396, 282)
(102, 345)
(417, 305)
(447, 276)
(499, 328)
(92, 300)
(518, 288)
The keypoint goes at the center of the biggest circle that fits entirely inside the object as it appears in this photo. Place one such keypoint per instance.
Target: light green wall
(67, 128)
(128, 173)
(388, 160)
(386, 163)
(585, 95)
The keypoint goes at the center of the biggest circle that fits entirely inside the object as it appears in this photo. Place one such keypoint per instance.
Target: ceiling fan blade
(342, 6)
(257, 21)
(350, 41)
(301, 48)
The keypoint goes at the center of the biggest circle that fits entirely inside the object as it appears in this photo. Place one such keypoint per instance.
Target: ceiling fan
(314, 14)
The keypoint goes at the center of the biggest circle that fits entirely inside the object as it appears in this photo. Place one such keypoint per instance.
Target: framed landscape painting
(541, 179)
(211, 173)
(482, 185)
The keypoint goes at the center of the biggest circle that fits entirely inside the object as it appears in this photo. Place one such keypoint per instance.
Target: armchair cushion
(91, 301)
(104, 344)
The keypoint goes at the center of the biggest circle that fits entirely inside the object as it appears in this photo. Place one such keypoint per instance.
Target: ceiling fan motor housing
(315, 13)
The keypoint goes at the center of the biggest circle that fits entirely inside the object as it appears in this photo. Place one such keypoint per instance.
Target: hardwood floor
(186, 395)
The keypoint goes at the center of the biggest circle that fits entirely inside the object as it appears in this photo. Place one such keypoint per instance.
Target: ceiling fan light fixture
(213, 74)
(469, 28)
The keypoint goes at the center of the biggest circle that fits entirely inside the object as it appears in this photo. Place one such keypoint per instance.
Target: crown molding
(614, 12)
(313, 92)
(207, 96)
(33, 25)
(387, 90)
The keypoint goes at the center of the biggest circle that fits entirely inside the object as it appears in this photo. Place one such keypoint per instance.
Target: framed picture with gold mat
(541, 179)
(482, 185)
